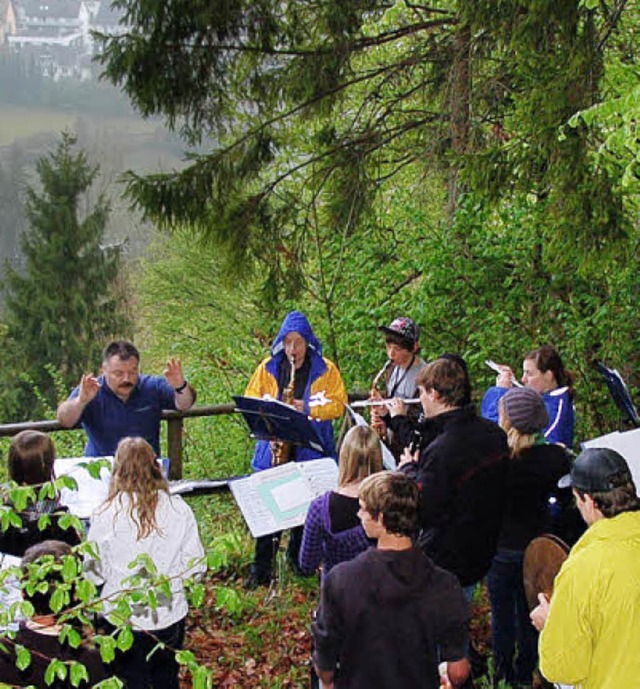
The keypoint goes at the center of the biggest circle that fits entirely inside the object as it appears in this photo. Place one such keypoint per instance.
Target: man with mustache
(123, 402)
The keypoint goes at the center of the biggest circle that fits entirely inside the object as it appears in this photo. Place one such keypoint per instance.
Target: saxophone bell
(281, 450)
(374, 393)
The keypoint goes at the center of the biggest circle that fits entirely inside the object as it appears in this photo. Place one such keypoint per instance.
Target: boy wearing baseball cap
(401, 339)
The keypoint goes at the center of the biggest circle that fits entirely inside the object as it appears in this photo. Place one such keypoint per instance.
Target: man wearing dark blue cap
(591, 629)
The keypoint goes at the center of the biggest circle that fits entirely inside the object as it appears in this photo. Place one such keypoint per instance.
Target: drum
(542, 561)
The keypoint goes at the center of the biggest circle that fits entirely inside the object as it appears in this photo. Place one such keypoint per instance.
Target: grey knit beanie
(526, 410)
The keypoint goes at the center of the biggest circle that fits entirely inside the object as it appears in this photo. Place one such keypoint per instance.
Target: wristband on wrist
(182, 388)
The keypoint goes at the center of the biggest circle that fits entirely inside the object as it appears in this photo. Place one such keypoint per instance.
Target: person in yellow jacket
(591, 628)
(319, 391)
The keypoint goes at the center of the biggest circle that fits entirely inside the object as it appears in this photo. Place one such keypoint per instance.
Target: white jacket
(174, 549)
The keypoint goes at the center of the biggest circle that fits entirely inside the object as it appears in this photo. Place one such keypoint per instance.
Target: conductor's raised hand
(89, 386)
(173, 373)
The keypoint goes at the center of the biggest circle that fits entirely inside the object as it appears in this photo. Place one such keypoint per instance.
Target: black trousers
(160, 671)
(267, 547)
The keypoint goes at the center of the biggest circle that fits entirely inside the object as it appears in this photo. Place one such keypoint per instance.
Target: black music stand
(274, 420)
(620, 393)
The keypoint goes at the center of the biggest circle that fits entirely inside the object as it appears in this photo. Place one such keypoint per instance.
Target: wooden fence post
(174, 441)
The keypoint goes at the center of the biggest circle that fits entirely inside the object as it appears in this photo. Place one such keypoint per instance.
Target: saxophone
(280, 449)
(375, 394)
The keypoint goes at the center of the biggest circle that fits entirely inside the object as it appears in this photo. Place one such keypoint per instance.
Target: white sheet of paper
(10, 589)
(291, 495)
(91, 492)
(278, 498)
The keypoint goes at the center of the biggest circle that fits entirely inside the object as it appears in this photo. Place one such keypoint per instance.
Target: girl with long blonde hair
(141, 518)
(332, 530)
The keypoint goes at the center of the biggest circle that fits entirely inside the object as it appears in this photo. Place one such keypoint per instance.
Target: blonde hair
(517, 440)
(137, 474)
(360, 455)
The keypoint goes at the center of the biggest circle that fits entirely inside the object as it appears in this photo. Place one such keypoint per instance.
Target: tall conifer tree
(62, 306)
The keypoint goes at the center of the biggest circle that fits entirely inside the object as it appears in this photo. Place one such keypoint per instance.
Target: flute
(379, 403)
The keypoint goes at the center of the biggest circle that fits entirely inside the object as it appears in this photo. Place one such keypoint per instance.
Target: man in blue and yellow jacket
(318, 391)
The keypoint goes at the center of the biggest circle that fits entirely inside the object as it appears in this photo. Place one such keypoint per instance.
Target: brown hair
(360, 455)
(137, 473)
(448, 378)
(621, 498)
(55, 551)
(396, 497)
(123, 349)
(546, 358)
(31, 458)
(404, 342)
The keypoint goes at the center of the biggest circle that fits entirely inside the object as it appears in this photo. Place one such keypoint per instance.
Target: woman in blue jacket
(544, 372)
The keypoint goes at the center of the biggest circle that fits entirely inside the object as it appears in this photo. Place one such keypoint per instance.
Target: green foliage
(59, 310)
(74, 600)
(305, 99)
(316, 110)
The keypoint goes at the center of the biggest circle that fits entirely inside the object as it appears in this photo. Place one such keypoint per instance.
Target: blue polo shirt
(107, 419)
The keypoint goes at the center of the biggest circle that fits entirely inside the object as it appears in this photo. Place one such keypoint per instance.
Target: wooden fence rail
(174, 419)
(175, 426)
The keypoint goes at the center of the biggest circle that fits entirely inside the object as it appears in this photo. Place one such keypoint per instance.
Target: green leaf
(85, 590)
(186, 658)
(228, 599)
(78, 673)
(152, 599)
(67, 482)
(59, 598)
(69, 567)
(71, 635)
(23, 657)
(107, 645)
(197, 595)
(55, 670)
(125, 639)
(202, 678)
(47, 490)
(44, 521)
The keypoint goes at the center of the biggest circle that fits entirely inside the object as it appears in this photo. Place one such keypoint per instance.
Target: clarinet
(416, 436)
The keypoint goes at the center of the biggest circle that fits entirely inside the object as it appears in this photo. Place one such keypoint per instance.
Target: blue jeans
(513, 637)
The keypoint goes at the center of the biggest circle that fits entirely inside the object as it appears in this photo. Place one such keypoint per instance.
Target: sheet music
(91, 492)
(270, 419)
(322, 474)
(9, 589)
(292, 495)
(278, 498)
(627, 444)
(388, 460)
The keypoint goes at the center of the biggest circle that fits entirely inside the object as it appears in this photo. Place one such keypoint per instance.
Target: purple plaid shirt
(320, 545)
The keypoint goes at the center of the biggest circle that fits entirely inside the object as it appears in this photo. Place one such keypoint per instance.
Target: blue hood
(296, 322)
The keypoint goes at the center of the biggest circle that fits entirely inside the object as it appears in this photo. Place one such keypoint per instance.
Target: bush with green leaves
(76, 600)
